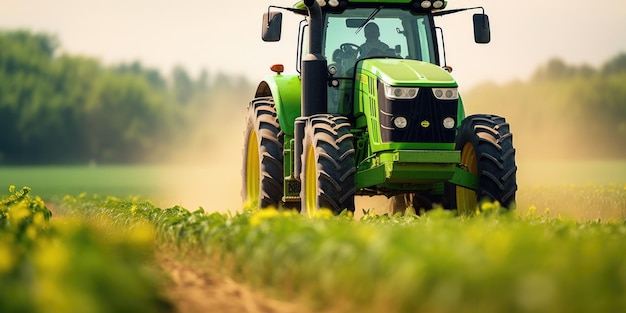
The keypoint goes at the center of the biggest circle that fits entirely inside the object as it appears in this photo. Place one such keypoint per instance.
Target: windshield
(391, 32)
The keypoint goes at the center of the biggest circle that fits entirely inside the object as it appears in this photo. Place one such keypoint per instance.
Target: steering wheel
(350, 48)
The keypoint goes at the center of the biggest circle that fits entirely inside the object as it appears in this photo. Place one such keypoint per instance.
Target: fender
(286, 91)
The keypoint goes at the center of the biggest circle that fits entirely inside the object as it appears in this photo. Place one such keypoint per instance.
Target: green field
(572, 188)
(562, 250)
(50, 181)
(97, 254)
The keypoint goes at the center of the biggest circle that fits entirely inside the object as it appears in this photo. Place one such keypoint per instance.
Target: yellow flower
(31, 232)
(487, 206)
(40, 202)
(142, 234)
(52, 257)
(261, 215)
(288, 213)
(18, 213)
(6, 258)
(39, 219)
(324, 214)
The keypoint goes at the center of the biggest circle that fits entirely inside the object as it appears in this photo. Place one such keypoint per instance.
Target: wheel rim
(253, 171)
(310, 182)
(466, 198)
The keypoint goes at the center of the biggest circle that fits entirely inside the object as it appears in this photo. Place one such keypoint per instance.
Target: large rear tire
(328, 165)
(262, 156)
(487, 151)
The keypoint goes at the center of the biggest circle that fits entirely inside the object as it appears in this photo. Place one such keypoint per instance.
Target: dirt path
(193, 290)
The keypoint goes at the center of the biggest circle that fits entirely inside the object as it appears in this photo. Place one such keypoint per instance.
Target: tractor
(372, 110)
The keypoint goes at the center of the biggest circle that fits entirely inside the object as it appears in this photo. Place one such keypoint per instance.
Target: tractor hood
(403, 72)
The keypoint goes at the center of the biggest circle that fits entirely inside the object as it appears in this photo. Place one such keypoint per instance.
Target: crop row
(67, 264)
(91, 257)
(495, 261)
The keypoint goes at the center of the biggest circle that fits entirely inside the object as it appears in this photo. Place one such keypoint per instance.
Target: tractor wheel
(327, 165)
(486, 146)
(262, 156)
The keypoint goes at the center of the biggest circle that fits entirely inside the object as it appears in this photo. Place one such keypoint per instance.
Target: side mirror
(272, 25)
(482, 33)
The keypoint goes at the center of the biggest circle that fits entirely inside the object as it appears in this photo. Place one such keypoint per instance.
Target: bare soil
(195, 290)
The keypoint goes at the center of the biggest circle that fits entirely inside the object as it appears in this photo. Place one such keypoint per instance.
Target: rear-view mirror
(482, 33)
(272, 26)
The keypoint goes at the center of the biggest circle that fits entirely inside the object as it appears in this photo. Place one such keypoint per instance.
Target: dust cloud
(550, 121)
(205, 170)
(557, 145)
(568, 160)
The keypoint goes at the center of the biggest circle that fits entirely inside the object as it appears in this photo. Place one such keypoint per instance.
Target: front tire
(262, 156)
(328, 165)
(486, 146)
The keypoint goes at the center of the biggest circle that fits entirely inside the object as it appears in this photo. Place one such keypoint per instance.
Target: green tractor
(373, 110)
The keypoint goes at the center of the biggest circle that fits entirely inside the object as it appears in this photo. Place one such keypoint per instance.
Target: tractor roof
(427, 5)
(300, 4)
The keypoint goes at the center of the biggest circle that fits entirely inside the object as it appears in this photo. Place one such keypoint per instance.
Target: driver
(373, 46)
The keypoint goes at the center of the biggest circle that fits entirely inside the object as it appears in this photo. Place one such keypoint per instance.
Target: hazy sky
(225, 36)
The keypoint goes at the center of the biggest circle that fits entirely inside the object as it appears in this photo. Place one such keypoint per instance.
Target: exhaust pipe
(314, 80)
(314, 65)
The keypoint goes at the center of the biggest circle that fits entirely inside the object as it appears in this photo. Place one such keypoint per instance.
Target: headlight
(430, 5)
(400, 92)
(449, 123)
(400, 122)
(446, 93)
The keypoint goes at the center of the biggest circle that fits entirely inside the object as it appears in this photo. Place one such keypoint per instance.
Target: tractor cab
(357, 34)
(390, 33)
(355, 30)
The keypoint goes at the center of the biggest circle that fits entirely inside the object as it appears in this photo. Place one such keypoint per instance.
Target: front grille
(425, 115)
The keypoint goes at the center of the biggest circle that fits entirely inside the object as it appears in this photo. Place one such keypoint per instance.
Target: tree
(615, 65)
(66, 109)
(183, 86)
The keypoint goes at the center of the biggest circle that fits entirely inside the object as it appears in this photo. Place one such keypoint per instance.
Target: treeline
(60, 108)
(563, 110)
